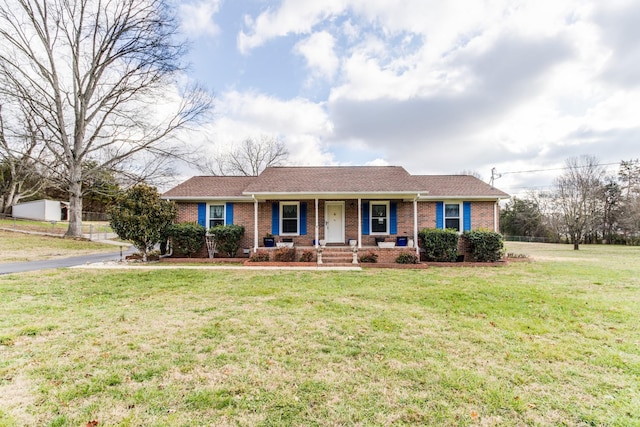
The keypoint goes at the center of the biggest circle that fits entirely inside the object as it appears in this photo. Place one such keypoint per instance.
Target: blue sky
(436, 87)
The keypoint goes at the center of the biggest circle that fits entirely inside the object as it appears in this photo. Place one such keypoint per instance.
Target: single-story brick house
(312, 205)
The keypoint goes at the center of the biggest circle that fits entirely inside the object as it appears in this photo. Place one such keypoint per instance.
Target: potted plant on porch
(269, 241)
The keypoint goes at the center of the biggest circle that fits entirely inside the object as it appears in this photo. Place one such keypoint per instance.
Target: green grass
(18, 247)
(551, 342)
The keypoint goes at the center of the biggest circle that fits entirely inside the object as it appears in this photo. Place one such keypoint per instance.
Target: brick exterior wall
(187, 212)
(482, 216)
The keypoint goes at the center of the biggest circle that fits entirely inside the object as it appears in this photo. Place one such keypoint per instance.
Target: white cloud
(197, 18)
(300, 124)
(293, 16)
(318, 51)
(377, 162)
(513, 84)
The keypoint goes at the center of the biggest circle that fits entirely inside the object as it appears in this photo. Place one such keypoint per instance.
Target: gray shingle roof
(334, 180)
(210, 186)
(457, 185)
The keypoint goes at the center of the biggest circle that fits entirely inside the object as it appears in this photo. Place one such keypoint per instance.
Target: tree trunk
(10, 199)
(75, 210)
(576, 245)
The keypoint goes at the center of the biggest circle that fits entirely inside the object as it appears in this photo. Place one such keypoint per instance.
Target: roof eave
(460, 197)
(208, 198)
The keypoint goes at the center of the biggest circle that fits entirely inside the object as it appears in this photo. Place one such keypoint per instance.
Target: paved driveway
(19, 267)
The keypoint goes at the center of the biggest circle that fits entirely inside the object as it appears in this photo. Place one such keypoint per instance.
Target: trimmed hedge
(227, 238)
(260, 256)
(407, 258)
(439, 245)
(370, 257)
(186, 238)
(284, 255)
(484, 245)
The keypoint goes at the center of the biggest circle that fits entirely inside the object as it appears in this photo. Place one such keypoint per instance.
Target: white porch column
(359, 223)
(495, 217)
(255, 224)
(317, 232)
(415, 226)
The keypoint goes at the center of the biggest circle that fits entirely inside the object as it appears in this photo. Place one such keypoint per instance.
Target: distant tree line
(585, 206)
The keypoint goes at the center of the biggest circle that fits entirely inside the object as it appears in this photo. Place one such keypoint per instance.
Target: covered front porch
(355, 221)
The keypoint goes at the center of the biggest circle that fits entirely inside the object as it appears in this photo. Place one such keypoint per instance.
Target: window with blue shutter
(275, 218)
(229, 214)
(393, 218)
(365, 218)
(466, 216)
(439, 214)
(202, 214)
(303, 218)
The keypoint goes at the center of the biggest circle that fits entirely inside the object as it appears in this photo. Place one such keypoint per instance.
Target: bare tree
(577, 196)
(471, 172)
(629, 178)
(249, 159)
(101, 79)
(21, 155)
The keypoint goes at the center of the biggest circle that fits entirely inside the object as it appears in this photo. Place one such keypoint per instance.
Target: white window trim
(460, 216)
(378, 233)
(224, 213)
(282, 205)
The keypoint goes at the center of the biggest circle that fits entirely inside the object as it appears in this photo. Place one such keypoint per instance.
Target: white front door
(334, 222)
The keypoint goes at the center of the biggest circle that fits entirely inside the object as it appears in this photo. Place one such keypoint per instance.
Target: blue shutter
(393, 218)
(365, 218)
(439, 214)
(466, 216)
(275, 218)
(202, 214)
(229, 214)
(303, 218)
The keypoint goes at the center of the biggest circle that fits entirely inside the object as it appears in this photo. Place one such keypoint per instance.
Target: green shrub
(370, 257)
(407, 258)
(439, 245)
(227, 238)
(484, 245)
(260, 256)
(186, 238)
(284, 255)
(307, 256)
(141, 216)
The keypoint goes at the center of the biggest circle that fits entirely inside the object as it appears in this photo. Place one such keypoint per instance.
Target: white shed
(42, 210)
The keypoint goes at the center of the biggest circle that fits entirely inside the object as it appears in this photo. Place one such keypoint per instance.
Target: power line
(557, 169)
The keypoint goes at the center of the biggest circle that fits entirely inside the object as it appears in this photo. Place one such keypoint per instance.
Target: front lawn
(554, 341)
